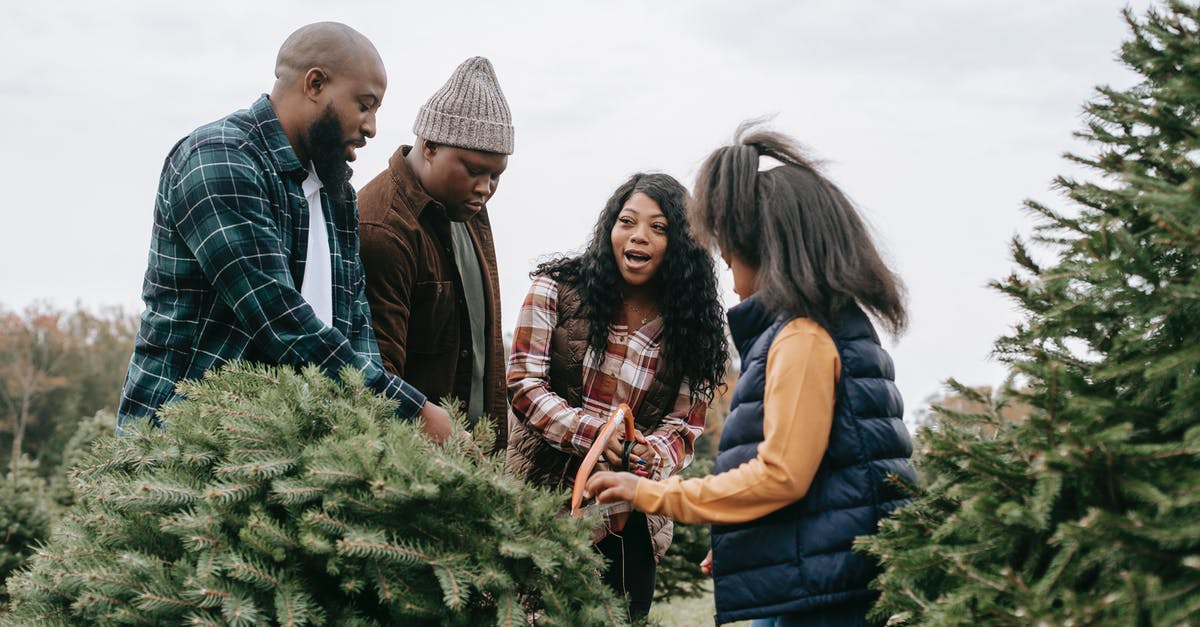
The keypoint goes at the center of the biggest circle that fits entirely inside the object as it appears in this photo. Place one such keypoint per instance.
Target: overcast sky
(937, 116)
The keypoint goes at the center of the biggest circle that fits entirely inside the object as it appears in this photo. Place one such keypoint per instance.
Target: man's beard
(328, 148)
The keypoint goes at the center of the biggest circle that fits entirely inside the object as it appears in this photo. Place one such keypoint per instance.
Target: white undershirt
(317, 287)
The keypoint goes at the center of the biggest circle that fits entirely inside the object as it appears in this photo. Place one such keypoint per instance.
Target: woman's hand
(616, 441)
(706, 564)
(611, 487)
(641, 450)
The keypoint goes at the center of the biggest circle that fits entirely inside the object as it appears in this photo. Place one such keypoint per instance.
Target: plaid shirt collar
(267, 126)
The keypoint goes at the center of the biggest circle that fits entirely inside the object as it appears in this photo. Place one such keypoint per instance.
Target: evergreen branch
(246, 436)
(509, 612)
(381, 583)
(199, 459)
(374, 549)
(364, 507)
(92, 598)
(241, 413)
(327, 524)
(94, 577)
(258, 470)
(148, 600)
(245, 570)
(453, 593)
(258, 523)
(248, 452)
(295, 608)
(199, 620)
(240, 611)
(298, 495)
(352, 585)
(233, 493)
(124, 614)
(336, 478)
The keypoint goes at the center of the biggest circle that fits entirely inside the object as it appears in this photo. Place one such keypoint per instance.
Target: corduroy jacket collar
(409, 187)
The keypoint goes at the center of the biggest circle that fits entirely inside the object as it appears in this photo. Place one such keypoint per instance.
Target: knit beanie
(469, 111)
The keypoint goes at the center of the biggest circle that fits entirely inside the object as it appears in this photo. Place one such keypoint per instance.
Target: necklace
(646, 315)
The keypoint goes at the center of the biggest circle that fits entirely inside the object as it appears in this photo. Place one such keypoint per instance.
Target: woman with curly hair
(634, 319)
(815, 432)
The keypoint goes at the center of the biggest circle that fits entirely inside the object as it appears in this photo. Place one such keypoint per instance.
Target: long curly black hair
(694, 345)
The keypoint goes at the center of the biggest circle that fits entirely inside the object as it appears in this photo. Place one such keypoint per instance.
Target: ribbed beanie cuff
(453, 130)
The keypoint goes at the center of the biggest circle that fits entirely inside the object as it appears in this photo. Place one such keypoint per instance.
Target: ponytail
(813, 252)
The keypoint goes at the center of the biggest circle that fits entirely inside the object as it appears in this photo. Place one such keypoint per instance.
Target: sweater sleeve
(798, 401)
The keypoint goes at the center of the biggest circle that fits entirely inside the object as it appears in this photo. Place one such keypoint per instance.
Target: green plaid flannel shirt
(227, 257)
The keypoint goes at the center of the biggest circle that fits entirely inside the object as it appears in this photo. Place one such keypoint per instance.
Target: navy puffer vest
(799, 559)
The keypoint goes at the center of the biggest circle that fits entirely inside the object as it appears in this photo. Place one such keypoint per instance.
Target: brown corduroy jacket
(416, 293)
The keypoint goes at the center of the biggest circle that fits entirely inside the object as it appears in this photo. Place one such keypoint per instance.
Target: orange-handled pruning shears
(622, 412)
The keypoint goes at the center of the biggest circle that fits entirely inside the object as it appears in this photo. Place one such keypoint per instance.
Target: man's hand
(706, 564)
(611, 487)
(437, 422)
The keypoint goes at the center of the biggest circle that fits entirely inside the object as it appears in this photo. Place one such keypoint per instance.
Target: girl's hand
(706, 564)
(611, 487)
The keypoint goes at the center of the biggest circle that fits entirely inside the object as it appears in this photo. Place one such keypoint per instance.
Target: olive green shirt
(472, 281)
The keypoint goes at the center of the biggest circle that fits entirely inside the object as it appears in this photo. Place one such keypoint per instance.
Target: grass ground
(697, 612)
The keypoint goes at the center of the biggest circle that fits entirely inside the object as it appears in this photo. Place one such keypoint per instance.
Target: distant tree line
(57, 367)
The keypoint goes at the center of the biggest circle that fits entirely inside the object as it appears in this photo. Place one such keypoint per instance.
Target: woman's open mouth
(636, 260)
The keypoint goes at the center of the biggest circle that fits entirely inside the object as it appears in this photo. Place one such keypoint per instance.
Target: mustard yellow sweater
(802, 372)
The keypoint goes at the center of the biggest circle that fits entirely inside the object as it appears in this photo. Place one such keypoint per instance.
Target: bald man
(254, 251)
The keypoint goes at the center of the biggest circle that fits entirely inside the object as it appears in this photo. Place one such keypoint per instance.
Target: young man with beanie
(254, 251)
(427, 247)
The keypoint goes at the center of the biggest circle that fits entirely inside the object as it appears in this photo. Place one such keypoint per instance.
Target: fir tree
(678, 575)
(87, 432)
(1086, 512)
(275, 497)
(24, 518)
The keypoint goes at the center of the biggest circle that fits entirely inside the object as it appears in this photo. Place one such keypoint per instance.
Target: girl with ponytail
(815, 432)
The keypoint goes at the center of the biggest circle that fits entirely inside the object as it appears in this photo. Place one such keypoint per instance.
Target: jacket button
(463, 353)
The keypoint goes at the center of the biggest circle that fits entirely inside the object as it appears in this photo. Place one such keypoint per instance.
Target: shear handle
(621, 413)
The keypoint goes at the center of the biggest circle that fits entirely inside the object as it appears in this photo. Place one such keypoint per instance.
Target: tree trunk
(20, 419)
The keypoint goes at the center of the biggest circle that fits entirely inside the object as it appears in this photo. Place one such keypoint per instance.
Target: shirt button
(303, 203)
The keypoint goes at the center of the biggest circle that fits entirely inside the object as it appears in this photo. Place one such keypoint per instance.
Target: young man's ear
(429, 149)
(315, 81)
